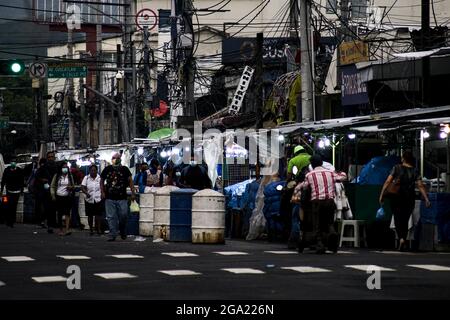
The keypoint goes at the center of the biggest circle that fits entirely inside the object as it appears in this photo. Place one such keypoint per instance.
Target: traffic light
(12, 67)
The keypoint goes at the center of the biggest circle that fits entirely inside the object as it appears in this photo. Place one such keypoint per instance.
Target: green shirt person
(300, 161)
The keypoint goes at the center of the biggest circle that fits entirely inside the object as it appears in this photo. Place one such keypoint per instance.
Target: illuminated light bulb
(140, 151)
(426, 135)
(351, 136)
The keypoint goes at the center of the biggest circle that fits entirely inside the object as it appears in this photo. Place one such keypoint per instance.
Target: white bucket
(161, 223)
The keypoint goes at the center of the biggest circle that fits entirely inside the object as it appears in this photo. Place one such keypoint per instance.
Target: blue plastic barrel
(133, 224)
(181, 215)
(29, 215)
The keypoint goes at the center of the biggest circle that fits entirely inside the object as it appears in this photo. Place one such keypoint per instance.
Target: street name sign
(67, 70)
(4, 122)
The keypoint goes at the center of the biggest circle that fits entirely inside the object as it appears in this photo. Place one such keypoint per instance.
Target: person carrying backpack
(402, 204)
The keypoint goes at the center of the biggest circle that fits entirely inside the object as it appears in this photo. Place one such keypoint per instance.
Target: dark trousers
(402, 207)
(322, 216)
(49, 207)
(11, 208)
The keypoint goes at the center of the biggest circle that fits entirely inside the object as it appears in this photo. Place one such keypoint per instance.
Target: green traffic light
(16, 67)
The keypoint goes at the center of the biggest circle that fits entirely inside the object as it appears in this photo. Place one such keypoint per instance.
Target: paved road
(33, 265)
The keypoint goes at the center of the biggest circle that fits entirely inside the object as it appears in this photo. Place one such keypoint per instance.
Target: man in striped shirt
(323, 191)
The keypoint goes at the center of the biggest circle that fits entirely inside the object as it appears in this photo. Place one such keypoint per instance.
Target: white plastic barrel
(19, 211)
(161, 223)
(82, 210)
(146, 214)
(208, 217)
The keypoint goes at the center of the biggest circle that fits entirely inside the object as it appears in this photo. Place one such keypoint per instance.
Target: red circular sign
(146, 18)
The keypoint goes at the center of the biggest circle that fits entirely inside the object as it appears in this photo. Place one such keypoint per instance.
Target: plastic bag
(134, 206)
(380, 214)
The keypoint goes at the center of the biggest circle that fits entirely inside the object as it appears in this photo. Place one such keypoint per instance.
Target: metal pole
(83, 118)
(190, 65)
(334, 150)
(425, 46)
(421, 152)
(70, 92)
(447, 174)
(148, 94)
(293, 25)
(307, 112)
(133, 67)
(259, 79)
(99, 82)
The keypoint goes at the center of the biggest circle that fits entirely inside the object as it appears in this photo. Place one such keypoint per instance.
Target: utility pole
(99, 82)
(120, 90)
(259, 79)
(293, 34)
(147, 93)
(126, 42)
(425, 37)
(306, 68)
(133, 91)
(189, 60)
(70, 92)
(83, 117)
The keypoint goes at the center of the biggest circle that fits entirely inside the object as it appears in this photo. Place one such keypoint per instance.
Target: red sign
(146, 18)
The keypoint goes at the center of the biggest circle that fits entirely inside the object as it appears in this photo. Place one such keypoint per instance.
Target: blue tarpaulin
(377, 170)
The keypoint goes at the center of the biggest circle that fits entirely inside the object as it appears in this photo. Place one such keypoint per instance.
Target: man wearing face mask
(114, 181)
(13, 180)
(195, 176)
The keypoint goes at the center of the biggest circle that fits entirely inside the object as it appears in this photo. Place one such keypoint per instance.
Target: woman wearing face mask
(61, 189)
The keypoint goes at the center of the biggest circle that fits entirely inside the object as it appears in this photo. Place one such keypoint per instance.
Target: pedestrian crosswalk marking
(180, 254)
(231, 253)
(74, 257)
(179, 272)
(365, 267)
(49, 279)
(306, 269)
(430, 267)
(17, 258)
(394, 252)
(115, 275)
(2, 284)
(126, 256)
(346, 252)
(243, 270)
(281, 252)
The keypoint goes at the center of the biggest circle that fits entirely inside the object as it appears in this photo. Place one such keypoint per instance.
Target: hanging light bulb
(140, 151)
(163, 154)
(321, 144)
(351, 136)
(327, 142)
(281, 138)
(443, 135)
(426, 134)
(447, 129)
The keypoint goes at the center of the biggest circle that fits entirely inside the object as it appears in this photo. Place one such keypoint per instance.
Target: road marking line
(243, 270)
(231, 253)
(430, 267)
(74, 257)
(2, 284)
(346, 252)
(49, 279)
(282, 252)
(125, 256)
(17, 258)
(115, 275)
(180, 254)
(179, 272)
(365, 267)
(306, 269)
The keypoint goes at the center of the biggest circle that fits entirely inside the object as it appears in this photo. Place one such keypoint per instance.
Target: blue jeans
(295, 228)
(116, 215)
